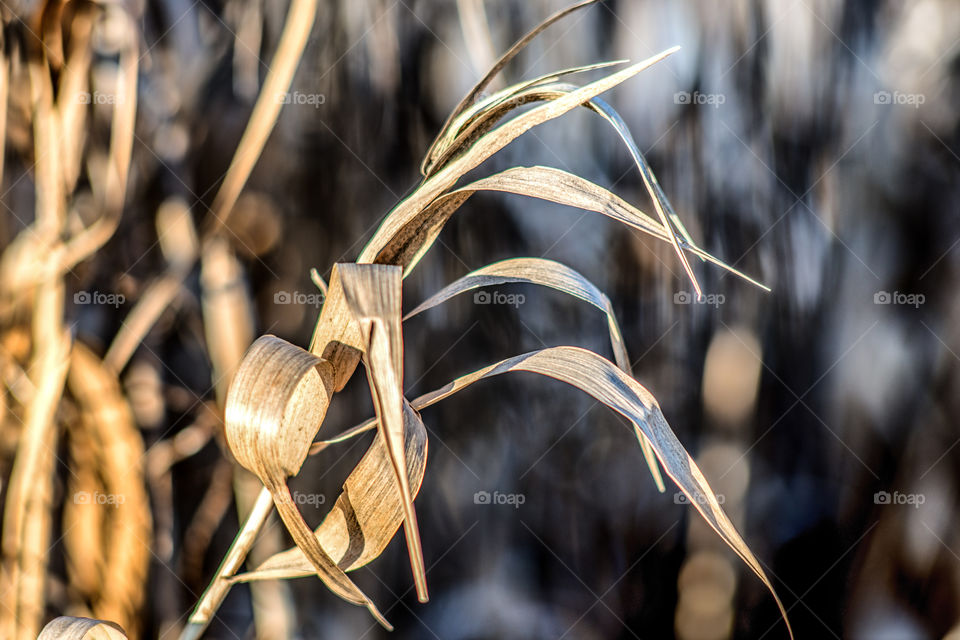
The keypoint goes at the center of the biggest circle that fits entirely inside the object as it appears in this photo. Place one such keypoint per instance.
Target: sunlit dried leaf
(373, 293)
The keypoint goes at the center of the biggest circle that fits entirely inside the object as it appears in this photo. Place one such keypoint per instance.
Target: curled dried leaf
(72, 628)
(367, 514)
(275, 405)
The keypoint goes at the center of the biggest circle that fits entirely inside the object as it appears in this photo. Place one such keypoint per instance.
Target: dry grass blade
(367, 514)
(373, 293)
(601, 379)
(71, 628)
(482, 116)
(415, 238)
(557, 276)
(218, 588)
(275, 405)
(501, 62)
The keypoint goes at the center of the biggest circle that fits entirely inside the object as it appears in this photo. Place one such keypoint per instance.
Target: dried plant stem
(157, 297)
(293, 40)
(26, 522)
(219, 587)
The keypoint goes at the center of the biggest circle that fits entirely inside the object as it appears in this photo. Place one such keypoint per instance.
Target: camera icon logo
(481, 297)
(481, 497)
(881, 297)
(81, 497)
(282, 297)
(681, 97)
(882, 97)
(682, 297)
(881, 497)
(81, 297)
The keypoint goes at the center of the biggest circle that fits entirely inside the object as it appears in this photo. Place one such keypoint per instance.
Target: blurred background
(809, 143)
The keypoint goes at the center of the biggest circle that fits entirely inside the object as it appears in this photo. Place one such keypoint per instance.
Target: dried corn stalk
(279, 398)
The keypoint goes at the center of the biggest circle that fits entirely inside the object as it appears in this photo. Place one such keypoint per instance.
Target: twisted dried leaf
(275, 405)
(373, 293)
(367, 514)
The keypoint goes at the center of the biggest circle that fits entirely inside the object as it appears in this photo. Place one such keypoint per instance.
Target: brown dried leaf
(373, 293)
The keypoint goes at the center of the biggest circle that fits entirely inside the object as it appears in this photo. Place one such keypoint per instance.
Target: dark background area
(811, 144)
